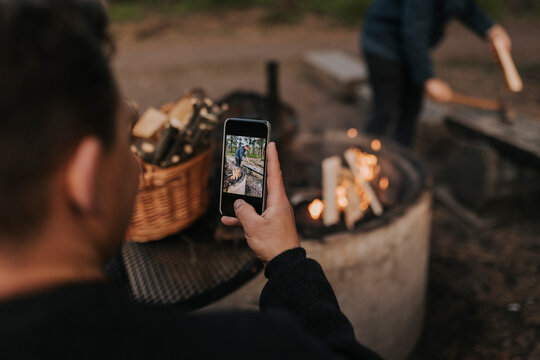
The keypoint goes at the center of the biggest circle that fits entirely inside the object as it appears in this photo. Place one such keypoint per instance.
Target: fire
(350, 190)
(367, 164)
(364, 205)
(341, 196)
(383, 183)
(236, 174)
(376, 145)
(352, 133)
(364, 198)
(315, 209)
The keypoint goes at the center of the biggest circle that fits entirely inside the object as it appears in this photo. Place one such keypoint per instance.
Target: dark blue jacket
(240, 153)
(406, 30)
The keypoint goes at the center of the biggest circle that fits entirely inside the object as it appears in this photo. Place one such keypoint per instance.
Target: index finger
(276, 189)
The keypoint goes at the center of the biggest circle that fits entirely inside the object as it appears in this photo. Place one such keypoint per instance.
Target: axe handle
(513, 80)
(479, 103)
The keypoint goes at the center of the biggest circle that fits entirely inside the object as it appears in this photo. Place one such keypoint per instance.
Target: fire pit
(374, 255)
(235, 180)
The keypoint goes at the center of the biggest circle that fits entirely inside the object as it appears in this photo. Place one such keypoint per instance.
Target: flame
(383, 183)
(352, 133)
(315, 209)
(364, 205)
(236, 174)
(363, 196)
(341, 196)
(376, 145)
(367, 164)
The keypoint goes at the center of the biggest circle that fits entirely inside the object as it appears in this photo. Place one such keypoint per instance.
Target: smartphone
(243, 165)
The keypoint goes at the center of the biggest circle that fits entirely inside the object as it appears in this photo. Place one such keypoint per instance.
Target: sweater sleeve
(298, 285)
(416, 22)
(474, 18)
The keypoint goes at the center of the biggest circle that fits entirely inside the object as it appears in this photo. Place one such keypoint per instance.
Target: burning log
(353, 211)
(330, 169)
(374, 202)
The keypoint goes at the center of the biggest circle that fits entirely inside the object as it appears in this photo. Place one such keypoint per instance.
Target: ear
(82, 175)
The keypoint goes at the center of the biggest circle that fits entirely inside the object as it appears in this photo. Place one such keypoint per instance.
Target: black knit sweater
(300, 319)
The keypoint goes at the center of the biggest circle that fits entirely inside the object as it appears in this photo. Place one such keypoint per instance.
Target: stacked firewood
(178, 131)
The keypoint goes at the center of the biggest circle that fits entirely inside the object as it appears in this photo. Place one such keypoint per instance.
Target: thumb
(245, 213)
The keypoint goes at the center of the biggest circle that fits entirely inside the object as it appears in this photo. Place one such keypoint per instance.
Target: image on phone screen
(243, 171)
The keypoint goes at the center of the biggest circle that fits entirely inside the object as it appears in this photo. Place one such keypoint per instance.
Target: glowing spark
(383, 183)
(315, 209)
(376, 145)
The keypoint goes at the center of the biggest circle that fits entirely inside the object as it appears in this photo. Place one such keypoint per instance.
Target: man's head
(246, 147)
(63, 132)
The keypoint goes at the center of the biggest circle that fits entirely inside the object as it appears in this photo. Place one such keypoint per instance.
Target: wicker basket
(170, 199)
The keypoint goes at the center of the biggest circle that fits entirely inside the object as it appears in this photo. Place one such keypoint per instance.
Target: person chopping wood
(241, 154)
(396, 41)
(65, 212)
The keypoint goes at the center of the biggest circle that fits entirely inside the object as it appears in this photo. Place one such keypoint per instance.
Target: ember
(352, 133)
(376, 145)
(341, 196)
(384, 183)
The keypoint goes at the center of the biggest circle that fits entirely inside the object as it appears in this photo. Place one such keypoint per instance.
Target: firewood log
(143, 149)
(175, 160)
(208, 116)
(150, 123)
(208, 102)
(330, 170)
(183, 138)
(181, 113)
(164, 145)
(166, 108)
(198, 94)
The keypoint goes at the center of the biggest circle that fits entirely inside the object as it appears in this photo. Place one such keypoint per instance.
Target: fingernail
(238, 203)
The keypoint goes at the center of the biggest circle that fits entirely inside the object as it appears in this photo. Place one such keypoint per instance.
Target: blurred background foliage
(343, 11)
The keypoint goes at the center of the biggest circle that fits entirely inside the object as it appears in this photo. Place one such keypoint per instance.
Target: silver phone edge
(268, 130)
(222, 167)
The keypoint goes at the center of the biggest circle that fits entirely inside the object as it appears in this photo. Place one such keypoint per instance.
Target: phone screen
(244, 164)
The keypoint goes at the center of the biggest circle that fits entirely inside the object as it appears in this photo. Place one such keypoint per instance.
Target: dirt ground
(483, 294)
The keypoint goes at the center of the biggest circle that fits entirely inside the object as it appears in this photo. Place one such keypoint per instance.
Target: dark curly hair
(56, 87)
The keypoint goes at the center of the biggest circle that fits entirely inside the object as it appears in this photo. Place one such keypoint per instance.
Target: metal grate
(176, 270)
(189, 269)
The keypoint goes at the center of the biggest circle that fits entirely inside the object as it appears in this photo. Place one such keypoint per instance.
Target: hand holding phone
(273, 232)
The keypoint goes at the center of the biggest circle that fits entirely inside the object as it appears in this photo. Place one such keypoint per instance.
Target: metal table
(187, 270)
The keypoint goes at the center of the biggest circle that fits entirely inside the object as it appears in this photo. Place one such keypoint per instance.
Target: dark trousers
(397, 100)
(238, 161)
